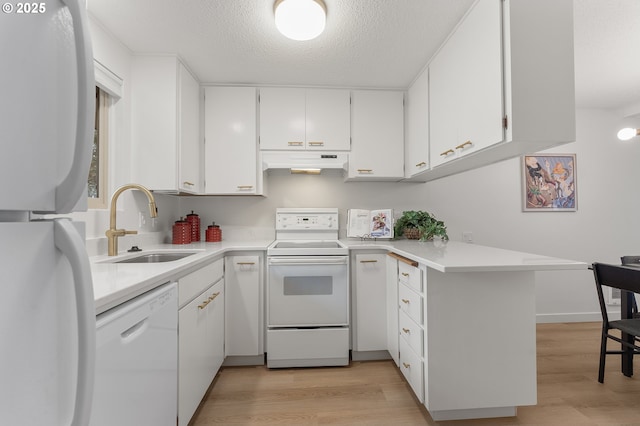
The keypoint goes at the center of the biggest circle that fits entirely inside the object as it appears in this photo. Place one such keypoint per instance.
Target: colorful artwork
(549, 182)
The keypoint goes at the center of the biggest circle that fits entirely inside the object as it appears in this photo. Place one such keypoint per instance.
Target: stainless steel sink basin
(156, 257)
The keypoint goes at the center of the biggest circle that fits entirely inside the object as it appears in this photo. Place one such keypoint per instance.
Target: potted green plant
(418, 224)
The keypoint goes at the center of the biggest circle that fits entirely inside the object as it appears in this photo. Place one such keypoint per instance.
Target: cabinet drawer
(193, 284)
(411, 332)
(411, 367)
(410, 302)
(410, 275)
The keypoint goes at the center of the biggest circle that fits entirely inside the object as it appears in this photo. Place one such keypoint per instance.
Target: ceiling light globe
(627, 133)
(300, 19)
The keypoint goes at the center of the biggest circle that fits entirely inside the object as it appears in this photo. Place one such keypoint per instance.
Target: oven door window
(308, 295)
(308, 286)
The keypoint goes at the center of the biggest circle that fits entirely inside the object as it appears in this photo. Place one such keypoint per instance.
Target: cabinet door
(243, 299)
(192, 382)
(189, 130)
(417, 141)
(444, 97)
(231, 156)
(328, 119)
(200, 348)
(371, 302)
(282, 118)
(215, 327)
(466, 86)
(377, 130)
(154, 122)
(392, 309)
(482, 111)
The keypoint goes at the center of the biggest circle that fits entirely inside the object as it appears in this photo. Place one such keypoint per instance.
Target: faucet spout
(113, 233)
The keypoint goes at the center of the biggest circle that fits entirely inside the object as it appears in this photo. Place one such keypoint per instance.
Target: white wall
(487, 202)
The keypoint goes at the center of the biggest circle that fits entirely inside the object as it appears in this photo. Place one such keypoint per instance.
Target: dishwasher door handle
(135, 330)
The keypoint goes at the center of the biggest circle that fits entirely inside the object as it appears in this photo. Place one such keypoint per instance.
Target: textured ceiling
(367, 43)
(607, 53)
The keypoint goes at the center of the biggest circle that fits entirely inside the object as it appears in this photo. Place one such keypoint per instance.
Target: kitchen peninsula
(460, 321)
(475, 354)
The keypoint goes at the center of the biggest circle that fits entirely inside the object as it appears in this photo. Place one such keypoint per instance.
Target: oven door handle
(309, 261)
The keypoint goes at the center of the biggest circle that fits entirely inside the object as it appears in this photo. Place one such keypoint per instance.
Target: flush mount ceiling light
(300, 19)
(628, 133)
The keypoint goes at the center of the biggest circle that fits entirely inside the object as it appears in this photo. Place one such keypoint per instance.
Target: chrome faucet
(112, 233)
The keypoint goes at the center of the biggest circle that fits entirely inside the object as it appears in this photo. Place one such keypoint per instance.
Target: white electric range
(307, 291)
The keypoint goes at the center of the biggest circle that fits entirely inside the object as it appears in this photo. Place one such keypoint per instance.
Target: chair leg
(603, 354)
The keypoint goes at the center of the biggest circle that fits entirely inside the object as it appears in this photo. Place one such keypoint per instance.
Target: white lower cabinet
(200, 335)
(405, 320)
(244, 296)
(411, 366)
(370, 302)
(392, 308)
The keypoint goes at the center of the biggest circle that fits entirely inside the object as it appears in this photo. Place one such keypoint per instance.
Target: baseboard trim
(569, 317)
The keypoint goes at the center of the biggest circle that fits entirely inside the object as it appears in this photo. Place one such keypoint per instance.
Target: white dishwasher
(137, 361)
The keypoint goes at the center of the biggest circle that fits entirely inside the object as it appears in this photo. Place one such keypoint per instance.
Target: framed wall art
(549, 183)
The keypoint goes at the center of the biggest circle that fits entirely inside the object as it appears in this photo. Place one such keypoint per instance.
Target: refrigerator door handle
(69, 242)
(73, 185)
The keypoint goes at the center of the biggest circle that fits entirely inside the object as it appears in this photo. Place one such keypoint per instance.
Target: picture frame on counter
(549, 183)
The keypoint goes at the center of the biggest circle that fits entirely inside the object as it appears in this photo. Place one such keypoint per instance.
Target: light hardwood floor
(374, 392)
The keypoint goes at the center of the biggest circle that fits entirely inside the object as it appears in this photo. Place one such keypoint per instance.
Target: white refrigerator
(47, 314)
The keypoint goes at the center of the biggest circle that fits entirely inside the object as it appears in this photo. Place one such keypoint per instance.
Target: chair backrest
(630, 260)
(616, 276)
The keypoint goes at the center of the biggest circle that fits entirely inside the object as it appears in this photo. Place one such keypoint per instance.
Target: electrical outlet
(141, 220)
(467, 236)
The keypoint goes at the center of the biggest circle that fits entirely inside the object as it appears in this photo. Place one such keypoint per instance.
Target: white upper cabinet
(231, 155)
(165, 116)
(304, 119)
(502, 85)
(328, 121)
(466, 86)
(416, 155)
(377, 131)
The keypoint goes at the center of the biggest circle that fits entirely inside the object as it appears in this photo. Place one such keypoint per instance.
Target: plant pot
(411, 233)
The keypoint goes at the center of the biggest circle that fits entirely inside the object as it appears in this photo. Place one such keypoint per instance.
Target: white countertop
(454, 256)
(115, 283)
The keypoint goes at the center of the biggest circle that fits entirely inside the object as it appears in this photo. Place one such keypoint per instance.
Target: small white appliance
(307, 291)
(47, 314)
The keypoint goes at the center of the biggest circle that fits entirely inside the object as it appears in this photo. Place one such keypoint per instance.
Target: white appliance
(47, 315)
(137, 361)
(307, 291)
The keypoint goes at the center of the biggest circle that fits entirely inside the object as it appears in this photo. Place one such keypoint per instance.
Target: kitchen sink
(155, 257)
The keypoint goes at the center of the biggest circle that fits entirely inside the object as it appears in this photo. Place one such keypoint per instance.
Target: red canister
(181, 232)
(213, 233)
(194, 221)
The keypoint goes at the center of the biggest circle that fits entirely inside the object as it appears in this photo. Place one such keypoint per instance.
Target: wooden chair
(624, 278)
(632, 261)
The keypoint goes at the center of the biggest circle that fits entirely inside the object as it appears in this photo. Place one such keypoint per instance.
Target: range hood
(304, 161)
